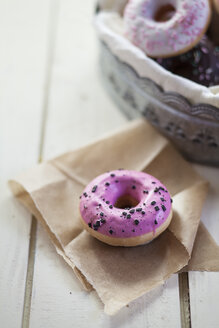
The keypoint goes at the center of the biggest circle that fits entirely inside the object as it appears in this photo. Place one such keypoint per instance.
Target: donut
(214, 24)
(216, 5)
(125, 208)
(200, 64)
(166, 28)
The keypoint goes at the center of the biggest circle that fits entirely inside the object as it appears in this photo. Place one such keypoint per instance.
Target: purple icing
(152, 204)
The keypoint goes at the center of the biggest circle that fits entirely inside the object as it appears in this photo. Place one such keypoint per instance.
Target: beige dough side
(132, 241)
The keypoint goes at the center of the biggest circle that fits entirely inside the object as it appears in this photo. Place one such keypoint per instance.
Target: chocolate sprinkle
(85, 194)
(111, 206)
(89, 225)
(163, 207)
(155, 222)
(153, 182)
(153, 202)
(128, 216)
(102, 220)
(132, 211)
(156, 208)
(145, 191)
(156, 189)
(112, 175)
(133, 230)
(123, 230)
(161, 198)
(97, 224)
(107, 184)
(136, 222)
(133, 187)
(94, 188)
(143, 212)
(161, 188)
(139, 209)
(107, 202)
(124, 213)
(101, 214)
(110, 231)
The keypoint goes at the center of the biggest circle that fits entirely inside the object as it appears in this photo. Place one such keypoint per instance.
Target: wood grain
(51, 101)
(23, 37)
(80, 111)
(204, 286)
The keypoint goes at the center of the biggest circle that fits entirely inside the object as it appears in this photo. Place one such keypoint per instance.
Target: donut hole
(164, 13)
(126, 201)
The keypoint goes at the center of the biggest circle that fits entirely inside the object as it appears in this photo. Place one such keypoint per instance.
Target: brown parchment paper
(51, 192)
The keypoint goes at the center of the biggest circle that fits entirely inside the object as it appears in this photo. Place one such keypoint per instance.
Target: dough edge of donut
(130, 241)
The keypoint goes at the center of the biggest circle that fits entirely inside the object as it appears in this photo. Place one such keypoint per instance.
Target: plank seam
(29, 275)
(52, 33)
(184, 296)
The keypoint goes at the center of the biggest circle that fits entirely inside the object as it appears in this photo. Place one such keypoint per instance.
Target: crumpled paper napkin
(51, 192)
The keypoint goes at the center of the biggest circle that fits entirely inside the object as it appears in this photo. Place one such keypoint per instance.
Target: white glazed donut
(166, 28)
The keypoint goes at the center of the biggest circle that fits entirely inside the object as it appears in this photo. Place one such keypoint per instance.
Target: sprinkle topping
(94, 188)
(163, 207)
(136, 222)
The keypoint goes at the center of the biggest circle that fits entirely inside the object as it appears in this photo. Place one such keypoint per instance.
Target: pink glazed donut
(166, 28)
(125, 208)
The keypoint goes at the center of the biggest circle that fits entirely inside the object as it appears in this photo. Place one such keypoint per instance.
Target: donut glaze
(166, 28)
(125, 204)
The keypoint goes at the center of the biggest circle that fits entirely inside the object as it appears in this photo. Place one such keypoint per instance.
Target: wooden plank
(204, 286)
(23, 34)
(184, 296)
(80, 111)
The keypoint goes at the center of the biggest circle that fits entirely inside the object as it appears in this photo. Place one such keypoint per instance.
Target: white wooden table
(51, 101)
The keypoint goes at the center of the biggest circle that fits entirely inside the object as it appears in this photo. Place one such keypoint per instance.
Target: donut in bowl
(166, 28)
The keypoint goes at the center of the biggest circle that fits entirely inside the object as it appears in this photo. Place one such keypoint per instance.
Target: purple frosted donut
(125, 208)
(166, 28)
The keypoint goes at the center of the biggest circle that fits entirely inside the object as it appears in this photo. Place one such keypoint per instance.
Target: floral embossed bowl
(184, 111)
(194, 129)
